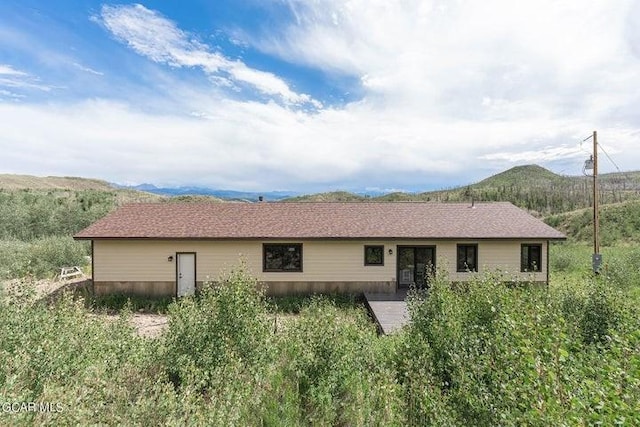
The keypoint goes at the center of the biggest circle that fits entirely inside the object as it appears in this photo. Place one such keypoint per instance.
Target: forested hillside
(619, 223)
(38, 216)
(531, 187)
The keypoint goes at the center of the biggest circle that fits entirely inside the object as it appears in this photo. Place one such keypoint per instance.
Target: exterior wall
(142, 267)
(493, 255)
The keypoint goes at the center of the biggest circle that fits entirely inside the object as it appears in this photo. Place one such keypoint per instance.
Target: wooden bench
(69, 272)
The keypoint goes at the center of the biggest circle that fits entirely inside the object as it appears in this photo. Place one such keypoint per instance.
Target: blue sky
(316, 95)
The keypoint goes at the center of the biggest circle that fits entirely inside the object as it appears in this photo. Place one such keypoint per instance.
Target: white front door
(186, 274)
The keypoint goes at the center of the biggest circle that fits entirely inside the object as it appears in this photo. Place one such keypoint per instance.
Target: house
(157, 249)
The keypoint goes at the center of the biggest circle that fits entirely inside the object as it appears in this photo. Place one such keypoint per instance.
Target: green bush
(119, 302)
(493, 355)
(622, 268)
(14, 259)
(49, 254)
(600, 314)
(340, 374)
(219, 346)
(41, 257)
(32, 214)
(95, 370)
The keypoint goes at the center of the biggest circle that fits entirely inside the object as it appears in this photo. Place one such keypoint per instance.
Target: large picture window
(531, 258)
(282, 257)
(467, 259)
(374, 255)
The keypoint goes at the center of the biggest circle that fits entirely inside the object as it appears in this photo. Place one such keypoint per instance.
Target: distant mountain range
(203, 191)
(250, 196)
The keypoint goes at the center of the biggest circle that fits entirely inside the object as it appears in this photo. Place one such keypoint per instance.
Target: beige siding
(493, 256)
(137, 260)
(323, 261)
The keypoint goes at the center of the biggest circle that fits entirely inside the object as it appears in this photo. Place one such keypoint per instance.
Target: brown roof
(354, 220)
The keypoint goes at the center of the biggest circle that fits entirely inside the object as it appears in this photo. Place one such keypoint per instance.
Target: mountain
(221, 194)
(532, 174)
(531, 187)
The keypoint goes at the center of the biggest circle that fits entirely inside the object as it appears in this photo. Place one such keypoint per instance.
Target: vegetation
(335, 196)
(38, 216)
(40, 257)
(36, 228)
(619, 223)
(119, 302)
(531, 187)
(28, 182)
(488, 354)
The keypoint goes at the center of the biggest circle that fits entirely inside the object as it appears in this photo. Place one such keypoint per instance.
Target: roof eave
(319, 238)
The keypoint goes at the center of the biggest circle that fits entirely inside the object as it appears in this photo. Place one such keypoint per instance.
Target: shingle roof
(410, 220)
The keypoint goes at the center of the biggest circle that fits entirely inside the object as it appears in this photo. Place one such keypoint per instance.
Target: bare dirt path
(150, 325)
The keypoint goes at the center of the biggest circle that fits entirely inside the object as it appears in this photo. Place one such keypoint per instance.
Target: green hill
(531, 187)
(619, 223)
(533, 174)
(334, 196)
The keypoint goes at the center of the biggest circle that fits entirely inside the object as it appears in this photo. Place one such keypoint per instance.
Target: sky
(316, 95)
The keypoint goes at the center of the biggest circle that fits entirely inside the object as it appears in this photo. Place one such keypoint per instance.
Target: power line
(610, 159)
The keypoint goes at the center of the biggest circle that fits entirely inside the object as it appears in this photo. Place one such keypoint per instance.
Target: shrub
(14, 259)
(49, 254)
(41, 257)
(622, 268)
(340, 374)
(94, 369)
(218, 346)
(487, 354)
(601, 313)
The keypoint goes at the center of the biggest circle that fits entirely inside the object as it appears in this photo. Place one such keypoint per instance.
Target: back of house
(160, 249)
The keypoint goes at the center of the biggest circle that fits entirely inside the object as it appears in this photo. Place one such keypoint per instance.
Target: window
(467, 258)
(531, 258)
(374, 255)
(282, 257)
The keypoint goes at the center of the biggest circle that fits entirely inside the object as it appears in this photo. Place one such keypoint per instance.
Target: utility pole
(592, 163)
(596, 216)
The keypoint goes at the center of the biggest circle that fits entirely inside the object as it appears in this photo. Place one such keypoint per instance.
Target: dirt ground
(146, 324)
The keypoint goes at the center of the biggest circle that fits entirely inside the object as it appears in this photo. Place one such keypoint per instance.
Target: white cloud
(87, 69)
(546, 154)
(449, 92)
(16, 79)
(8, 70)
(444, 57)
(156, 37)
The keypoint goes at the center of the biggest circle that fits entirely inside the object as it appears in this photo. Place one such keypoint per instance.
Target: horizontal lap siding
(502, 256)
(336, 261)
(135, 260)
(323, 261)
